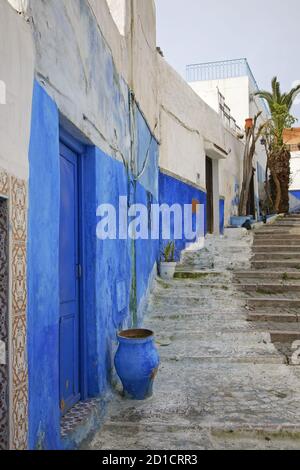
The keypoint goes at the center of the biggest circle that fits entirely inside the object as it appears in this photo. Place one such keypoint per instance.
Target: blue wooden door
(69, 280)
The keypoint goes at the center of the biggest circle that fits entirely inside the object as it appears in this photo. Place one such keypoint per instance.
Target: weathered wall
(174, 190)
(16, 70)
(113, 270)
(119, 101)
(186, 123)
(43, 273)
(235, 90)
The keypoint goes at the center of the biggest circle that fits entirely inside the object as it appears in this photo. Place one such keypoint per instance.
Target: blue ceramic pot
(137, 362)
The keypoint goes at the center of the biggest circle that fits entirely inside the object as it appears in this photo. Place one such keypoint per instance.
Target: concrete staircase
(272, 286)
(223, 382)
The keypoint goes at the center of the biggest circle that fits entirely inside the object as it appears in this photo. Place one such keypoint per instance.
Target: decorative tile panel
(13, 299)
(20, 418)
(19, 392)
(18, 209)
(4, 183)
(19, 293)
(4, 409)
(19, 364)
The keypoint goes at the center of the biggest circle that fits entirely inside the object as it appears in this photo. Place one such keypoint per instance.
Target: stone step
(269, 288)
(276, 235)
(274, 318)
(265, 275)
(277, 248)
(274, 241)
(187, 273)
(276, 264)
(286, 223)
(280, 255)
(284, 336)
(273, 303)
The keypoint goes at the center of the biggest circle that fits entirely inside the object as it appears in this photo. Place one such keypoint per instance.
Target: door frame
(79, 149)
(209, 217)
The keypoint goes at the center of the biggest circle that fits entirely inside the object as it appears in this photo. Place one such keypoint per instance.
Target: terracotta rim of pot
(137, 334)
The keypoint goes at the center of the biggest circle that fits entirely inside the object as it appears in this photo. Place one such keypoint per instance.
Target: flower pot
(137, 362)
(249, 123)
(167, 270)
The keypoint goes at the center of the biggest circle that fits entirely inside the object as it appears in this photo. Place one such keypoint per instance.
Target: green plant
(168, 253)
(278, 154)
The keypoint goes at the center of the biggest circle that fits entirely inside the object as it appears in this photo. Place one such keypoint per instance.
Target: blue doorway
(69, 278)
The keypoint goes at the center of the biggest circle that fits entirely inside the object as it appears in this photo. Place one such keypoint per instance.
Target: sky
(266, 32)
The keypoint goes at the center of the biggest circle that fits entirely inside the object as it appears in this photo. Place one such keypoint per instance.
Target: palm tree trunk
(284, 179)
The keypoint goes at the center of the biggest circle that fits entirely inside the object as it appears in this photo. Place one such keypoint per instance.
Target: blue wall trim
(173, 191)
(222, 215)
(43, 273)
(295, 193)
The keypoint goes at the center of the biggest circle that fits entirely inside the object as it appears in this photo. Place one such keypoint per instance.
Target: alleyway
(222, 383)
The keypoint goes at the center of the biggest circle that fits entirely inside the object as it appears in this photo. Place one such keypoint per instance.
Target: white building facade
(229, 87)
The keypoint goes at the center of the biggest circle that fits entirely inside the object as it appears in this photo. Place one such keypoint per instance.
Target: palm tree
(280, 105)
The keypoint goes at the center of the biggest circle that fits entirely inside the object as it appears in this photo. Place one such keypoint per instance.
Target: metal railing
(222, 70)
(225, 113)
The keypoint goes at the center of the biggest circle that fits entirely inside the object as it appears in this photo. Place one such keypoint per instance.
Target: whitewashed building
(89, 111)
(229, 87)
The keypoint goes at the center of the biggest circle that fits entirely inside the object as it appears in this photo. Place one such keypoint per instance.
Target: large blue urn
(137, 362)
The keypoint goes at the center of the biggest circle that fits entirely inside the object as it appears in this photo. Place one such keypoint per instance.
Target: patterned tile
(18, 209)
(19, 362)
(78, 415)
(19, 418)
(19, 292)
(4, 183)
(19, 392)
(16, 192)
(3, 321)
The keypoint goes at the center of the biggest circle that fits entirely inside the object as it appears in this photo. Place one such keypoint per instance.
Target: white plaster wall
(186, 122)
(118, 10)
(19, 5)
(74, 64)
(235, 91)
(134, 52)
(72, 30)
(295, 171)
(115, 41)
(186, 115)
(16, 70)
(144, 74)
(231, 174)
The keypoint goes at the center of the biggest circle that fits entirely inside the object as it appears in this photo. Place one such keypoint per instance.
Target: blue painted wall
(116, 272)
(222, 215)
(294, 200)
(173, 191)
(43, 273)
(146, 192)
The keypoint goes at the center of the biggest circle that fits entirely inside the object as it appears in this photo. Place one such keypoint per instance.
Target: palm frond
(266, 95)
(276, 90)
(290, 97)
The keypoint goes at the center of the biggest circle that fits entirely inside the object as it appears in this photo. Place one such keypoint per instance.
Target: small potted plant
(168, 263)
